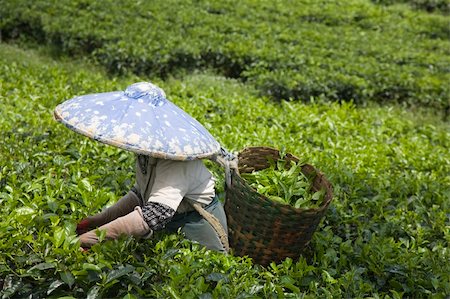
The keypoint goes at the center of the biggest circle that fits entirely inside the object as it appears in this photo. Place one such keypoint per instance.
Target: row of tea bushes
(385, 234)
(323, 49)
(441, 6)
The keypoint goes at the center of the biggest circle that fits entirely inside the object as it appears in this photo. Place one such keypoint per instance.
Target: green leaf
(92, 267)
(301, 202)
(10, 287)
(25, 211)
(327, 277)
(59, 236)
(42, 266)
(68, 278)
(93, 292)
(289, 283)
(217, 277)
(255, 289)
(318, 196)
(86, 185)
(54, 285)
(114, 274)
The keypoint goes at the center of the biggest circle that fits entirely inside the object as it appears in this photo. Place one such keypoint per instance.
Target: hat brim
(164, 131)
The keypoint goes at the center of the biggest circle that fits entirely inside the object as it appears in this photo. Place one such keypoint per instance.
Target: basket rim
(326, 202)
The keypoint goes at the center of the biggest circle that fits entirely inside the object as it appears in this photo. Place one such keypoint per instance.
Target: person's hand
(131, 224)
(82, 227)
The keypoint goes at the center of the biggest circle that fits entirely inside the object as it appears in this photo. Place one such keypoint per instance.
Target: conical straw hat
(140, 119)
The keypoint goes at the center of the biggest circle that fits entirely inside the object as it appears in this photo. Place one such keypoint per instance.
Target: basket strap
(214, 222)
(228, 161)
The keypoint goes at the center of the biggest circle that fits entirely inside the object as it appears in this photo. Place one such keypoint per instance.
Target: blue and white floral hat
(140, 119)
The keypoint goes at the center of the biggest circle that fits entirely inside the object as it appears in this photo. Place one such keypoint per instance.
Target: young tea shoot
(284, 182)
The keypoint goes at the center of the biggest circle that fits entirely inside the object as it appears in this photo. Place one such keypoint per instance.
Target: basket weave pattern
(261, 228)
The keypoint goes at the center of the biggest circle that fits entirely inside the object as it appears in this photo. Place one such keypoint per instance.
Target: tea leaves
(286, 184)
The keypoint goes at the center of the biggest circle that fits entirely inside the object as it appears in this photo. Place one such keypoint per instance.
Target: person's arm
(132, 224)
(170, 186)
(172, 182)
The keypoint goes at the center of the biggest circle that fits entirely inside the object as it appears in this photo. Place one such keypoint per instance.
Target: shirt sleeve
(157, 215)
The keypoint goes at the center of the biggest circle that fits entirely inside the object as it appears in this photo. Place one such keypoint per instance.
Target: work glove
(132, 224)
(121, 208)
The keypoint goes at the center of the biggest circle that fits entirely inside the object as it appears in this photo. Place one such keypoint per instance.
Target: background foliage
(386, 233)
(360, 50)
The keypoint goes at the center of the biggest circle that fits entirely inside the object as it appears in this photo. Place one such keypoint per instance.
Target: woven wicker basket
(261, 228)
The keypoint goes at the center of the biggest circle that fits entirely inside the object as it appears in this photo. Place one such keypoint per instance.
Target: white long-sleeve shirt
(168, 182)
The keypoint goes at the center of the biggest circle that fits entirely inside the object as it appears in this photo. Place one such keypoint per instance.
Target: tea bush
(356, 51)
(385, 235)
(442, 6)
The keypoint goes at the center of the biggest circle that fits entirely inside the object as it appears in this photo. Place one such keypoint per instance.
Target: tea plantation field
(387, 231)
(382, 51)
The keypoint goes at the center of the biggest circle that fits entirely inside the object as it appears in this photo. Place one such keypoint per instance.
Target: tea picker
(173, 188)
